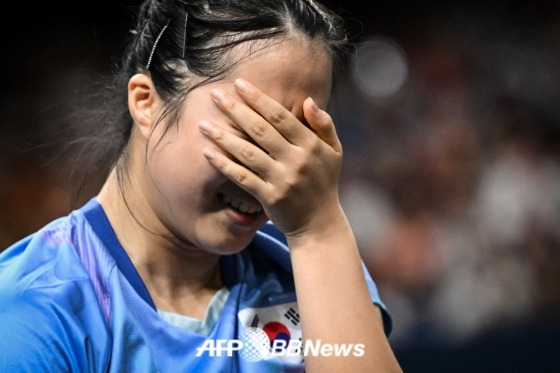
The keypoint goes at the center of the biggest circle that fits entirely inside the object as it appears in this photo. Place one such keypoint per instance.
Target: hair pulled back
(185, 43)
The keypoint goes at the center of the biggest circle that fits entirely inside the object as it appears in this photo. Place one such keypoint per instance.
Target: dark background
(467, 148)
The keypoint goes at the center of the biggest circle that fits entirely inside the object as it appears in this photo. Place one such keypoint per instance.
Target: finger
(246, 153)
(254, 125)
(240, 175)
(281, 118)
(321, 123)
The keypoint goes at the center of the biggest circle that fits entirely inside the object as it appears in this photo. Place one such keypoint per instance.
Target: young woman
(220, 208)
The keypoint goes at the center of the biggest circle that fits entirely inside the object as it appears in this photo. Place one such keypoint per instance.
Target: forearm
(333, 298)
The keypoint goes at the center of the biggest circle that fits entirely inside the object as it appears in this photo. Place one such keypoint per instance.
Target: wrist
(327, 227)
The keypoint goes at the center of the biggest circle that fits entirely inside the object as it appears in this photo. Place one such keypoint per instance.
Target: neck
(179, 277)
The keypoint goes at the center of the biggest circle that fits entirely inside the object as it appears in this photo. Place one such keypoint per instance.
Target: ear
(143, 103)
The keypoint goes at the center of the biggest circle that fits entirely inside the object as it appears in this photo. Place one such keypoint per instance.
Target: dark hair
(178, 42)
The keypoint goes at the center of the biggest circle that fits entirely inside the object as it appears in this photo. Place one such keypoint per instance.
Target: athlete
(217, 242)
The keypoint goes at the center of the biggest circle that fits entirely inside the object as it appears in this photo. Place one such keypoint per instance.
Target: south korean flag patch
(278, 329)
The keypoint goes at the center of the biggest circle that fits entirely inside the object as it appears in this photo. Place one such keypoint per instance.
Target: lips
(239, 205)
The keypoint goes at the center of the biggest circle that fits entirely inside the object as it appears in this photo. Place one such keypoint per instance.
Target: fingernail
(205, 126)
(217, 95)
(209, 154)
(241, 85)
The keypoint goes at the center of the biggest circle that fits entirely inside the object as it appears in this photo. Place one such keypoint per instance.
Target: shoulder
(39, 333)
(48, 310)
(44, 258)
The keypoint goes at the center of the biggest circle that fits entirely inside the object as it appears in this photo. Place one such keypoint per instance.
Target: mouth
(239, 205)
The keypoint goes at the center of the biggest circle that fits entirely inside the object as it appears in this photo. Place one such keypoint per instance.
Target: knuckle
(218, 136)
(276, 198)
(300, 168)
(241, 177)
(313, 147)
(229, 105)
(278, 116)
(316, 148)
(248, 153)
(260, 129)
(291, 182)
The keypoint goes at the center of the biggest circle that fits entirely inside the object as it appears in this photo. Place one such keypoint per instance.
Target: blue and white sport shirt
(71, 301)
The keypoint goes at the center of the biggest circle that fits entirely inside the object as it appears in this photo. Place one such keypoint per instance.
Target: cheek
(176, 165)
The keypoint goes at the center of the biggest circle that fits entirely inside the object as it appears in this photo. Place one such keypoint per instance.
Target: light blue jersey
(71, 301)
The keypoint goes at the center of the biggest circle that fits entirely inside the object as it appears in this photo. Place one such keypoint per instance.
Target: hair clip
(155, 44)
(317, 9)
(185, 34)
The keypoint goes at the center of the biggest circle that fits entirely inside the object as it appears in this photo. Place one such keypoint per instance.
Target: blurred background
(449, 113)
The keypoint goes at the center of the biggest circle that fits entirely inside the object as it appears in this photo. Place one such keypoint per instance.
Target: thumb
(321, 123)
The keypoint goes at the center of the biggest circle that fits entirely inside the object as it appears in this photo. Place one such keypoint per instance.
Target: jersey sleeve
(34, 340)
(49, 315)
(374, 293)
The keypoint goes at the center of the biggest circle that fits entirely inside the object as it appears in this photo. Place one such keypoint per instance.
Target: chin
(230, 245)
